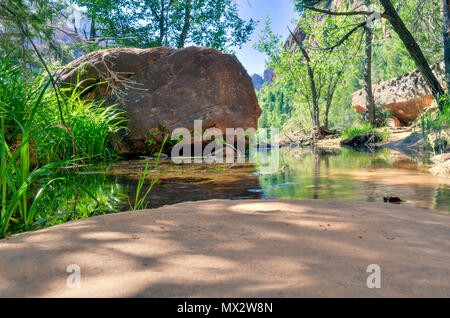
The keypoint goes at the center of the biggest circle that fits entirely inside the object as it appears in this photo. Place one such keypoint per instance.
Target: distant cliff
(258, 80)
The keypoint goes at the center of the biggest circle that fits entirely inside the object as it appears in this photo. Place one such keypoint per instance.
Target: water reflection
(356, 176)
(300, 173)
(79, 194)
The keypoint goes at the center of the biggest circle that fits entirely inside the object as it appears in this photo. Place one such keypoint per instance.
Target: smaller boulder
(392, 199)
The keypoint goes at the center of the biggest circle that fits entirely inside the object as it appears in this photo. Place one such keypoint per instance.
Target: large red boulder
(168, 87)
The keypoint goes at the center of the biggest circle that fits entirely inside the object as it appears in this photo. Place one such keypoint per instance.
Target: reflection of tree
(371, 190)
(329, 179)
(441, 198)
(342, 175)
(316, 169)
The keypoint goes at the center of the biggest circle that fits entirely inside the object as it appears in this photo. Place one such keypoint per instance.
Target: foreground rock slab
(220, 248)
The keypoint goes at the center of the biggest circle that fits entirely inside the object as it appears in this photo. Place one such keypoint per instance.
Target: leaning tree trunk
(330, 94)
(370, 103)
(447, 41)
(413, 48)
(315, 99)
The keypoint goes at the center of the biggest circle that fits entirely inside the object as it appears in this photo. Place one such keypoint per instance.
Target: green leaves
(212, 23)
(269, 42)
(310, 76)
(38, 18)
(31, 135)
(140, 198)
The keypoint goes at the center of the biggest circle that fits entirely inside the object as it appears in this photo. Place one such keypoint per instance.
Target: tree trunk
(312, 84)
(92, 31)
(162, 30)
(316, 130)
(325, 121)
(315, 99)
(447, 41)
(413, 48)
(328, 105)
(187, 24)
(370, 103)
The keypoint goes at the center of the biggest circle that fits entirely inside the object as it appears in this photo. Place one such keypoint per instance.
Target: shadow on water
(298, 173)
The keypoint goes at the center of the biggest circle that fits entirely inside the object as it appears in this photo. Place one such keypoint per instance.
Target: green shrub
(91, 123)
(359, 129)
(31, 129)
(356, 130)
(437, 122)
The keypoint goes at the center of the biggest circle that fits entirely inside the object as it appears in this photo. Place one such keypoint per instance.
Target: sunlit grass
(360, 129)
(35, 144)
(140, 198)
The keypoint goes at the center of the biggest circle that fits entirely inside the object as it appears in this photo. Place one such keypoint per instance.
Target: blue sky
(281, 12)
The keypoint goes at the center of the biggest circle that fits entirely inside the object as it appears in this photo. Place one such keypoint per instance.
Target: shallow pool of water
(295, 173)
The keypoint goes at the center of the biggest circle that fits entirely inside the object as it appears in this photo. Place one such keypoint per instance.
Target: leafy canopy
(148, 23)
(329, 68)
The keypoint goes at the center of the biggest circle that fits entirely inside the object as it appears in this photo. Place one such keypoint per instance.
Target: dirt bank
(224, 248)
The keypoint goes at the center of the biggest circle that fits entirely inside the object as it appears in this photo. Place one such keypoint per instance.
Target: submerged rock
(167, 87)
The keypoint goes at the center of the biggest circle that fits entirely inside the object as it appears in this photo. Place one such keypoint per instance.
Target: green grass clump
(50, 139)
(360, 129)
(140, 198)
(357, 130)
(437, 122)
(92, 125)
(16, 176)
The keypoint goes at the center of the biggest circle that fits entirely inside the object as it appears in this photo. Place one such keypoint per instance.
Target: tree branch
(351, 13)
(329, 12)
(345, 37)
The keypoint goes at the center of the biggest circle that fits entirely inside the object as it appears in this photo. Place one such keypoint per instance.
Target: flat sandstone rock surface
(220, 248)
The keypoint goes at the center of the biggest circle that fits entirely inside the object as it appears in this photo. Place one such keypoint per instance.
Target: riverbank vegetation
(331, 56)
(50, 132)
(35, 143)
